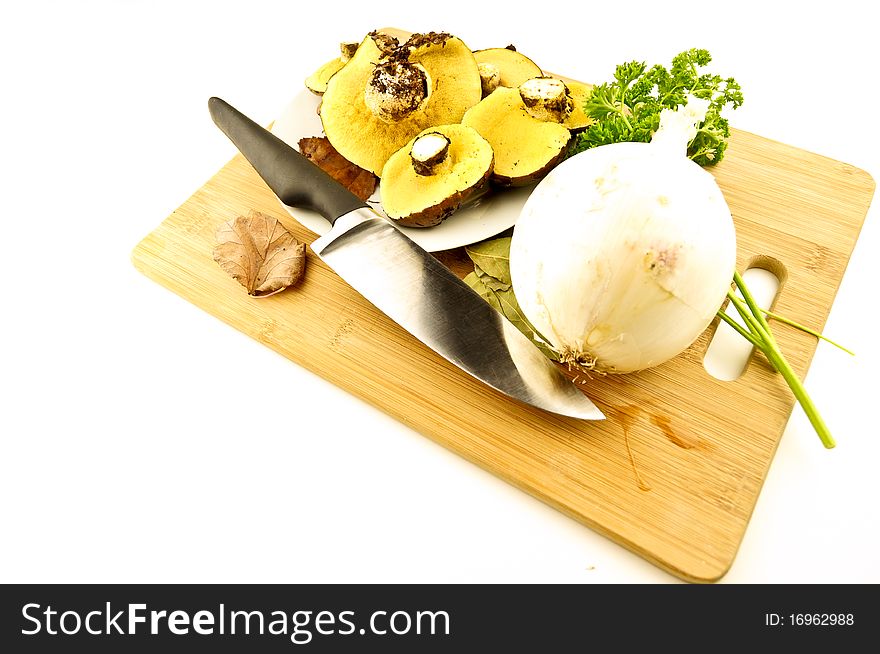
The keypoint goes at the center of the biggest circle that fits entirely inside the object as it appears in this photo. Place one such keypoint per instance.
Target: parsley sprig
(628, 109)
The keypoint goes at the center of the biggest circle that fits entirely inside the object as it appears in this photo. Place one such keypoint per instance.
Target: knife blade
(403, 280)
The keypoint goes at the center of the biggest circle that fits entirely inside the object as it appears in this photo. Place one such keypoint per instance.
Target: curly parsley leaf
(628, 109)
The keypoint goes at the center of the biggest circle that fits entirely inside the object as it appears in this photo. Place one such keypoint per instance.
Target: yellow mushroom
(512, 67)
(526, 147)
(431, 176)
(383, 97)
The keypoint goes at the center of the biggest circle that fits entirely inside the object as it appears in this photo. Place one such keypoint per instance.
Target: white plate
(484, 218)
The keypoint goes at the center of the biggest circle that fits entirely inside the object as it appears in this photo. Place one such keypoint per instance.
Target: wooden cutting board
(675, 471)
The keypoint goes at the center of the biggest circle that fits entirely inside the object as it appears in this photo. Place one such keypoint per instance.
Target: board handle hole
(728, 354)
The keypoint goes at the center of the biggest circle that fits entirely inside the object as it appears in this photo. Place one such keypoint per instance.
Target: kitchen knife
(403, 280)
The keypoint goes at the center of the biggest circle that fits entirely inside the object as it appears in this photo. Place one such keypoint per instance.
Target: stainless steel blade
(416, 291)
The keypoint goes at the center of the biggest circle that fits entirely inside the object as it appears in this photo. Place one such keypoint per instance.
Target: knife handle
(294, 179)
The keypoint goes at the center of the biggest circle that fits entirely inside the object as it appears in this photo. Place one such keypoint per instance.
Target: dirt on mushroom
(384, 96)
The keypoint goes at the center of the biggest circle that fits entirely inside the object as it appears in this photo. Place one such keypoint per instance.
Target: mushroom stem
(395, 89)
(490, 77)
(546, 98)
(428, 152)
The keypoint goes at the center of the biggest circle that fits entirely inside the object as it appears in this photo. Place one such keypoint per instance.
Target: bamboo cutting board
(668, 475)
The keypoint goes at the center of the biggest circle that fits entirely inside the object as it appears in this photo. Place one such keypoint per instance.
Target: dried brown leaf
(357, 180)
(259, 253)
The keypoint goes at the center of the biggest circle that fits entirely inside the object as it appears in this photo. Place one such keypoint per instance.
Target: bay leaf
(505, 302)
(510, 309)
(490, 281)
(259, 253)
(473, 280)
(492, 257)
(476, 282)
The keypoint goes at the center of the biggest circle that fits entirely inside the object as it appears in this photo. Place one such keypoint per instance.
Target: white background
(144, 440)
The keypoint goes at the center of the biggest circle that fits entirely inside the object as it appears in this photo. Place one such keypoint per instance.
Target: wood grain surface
(675, 471)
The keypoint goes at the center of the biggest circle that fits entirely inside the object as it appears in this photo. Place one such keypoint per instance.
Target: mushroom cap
(525, 148)
(368, 141)
(515, 67)
(417, 200)
(317, 81)
(578, 120)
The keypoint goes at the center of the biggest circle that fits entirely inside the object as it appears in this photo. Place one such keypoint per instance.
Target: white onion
(624, 253)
